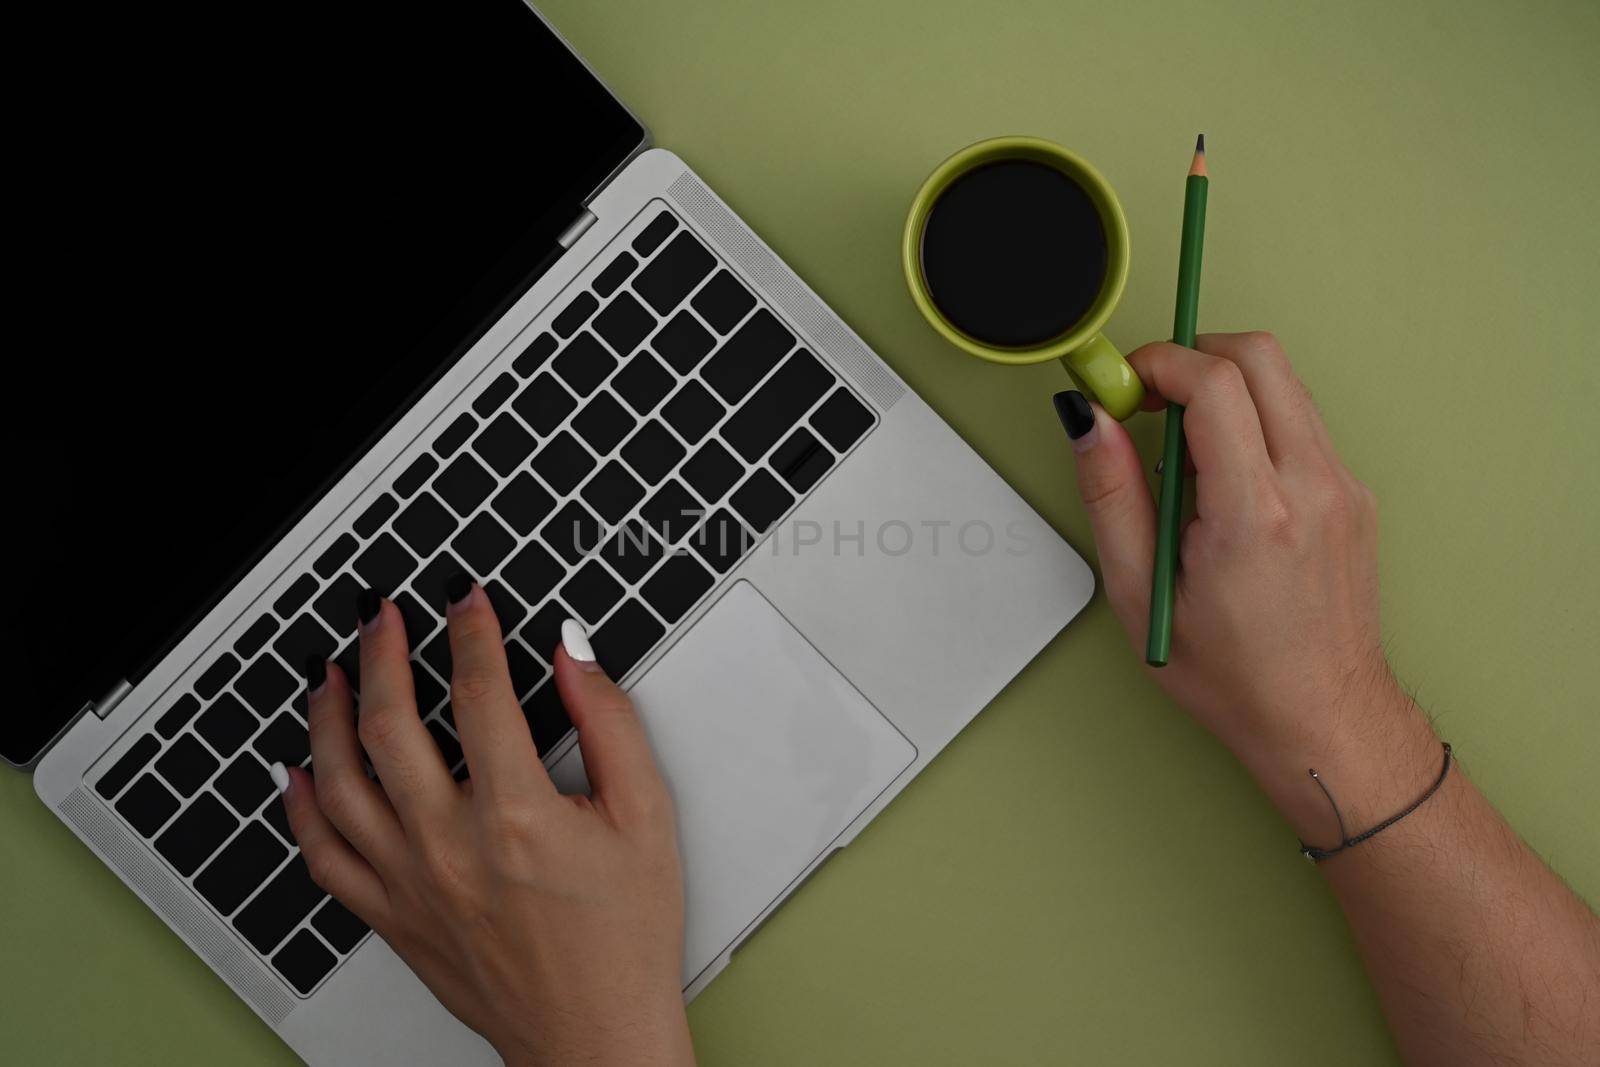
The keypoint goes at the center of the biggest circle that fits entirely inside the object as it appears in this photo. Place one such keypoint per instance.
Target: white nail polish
(576, 642)
(280, 777)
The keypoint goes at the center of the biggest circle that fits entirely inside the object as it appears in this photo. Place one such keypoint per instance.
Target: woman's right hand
(1276, 642)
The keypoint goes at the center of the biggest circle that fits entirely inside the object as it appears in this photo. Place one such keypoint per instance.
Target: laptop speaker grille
(174, 904)
(779, 284)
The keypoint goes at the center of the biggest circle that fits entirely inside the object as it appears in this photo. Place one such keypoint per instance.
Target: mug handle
(1098, 369)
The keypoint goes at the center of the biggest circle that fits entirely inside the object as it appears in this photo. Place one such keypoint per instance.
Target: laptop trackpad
(769, 753)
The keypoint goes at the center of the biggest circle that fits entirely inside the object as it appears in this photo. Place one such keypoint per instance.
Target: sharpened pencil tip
(1200, 143)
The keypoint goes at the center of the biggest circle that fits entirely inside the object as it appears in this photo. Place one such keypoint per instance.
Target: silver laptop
(442, 307)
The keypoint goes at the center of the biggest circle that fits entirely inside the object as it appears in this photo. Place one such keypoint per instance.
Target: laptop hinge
(579, 227)
(108, 703)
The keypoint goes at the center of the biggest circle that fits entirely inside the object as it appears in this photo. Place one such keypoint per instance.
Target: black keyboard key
(147, 805)
(723, 302)
(652, 452)
(304, 961)
(504, 444)
(624, 324)
(533, 357)
(416, 474)
(672, 512)
(563, 462)
(683, 342)
(507, 608)
(177, 716)
(385, 565)
(284, 741)
(675, 588)
(419, 621)
(692, 411)
(801, 460)
(430, 693)
(255, 638)
(436, 654)
(584, 364)
(603, 423)
(761, 500)
(279, 907)
(526, 672)
(775, 407)
(130, 764)
(632, 551)
(295, 597)
(841, 420)
(240, 867)
(266, 686)
(455, 435)
(349, 661)
(747, 356)
(431, 584)
(674, 273)
(377, 513)
(542, 633)
(547, 719)
(226, 724)
(186, 764)
(277, 817)
(613, 492)
(302, 639)
(607, 281)
(424, 525)
(330, 561)
(464, 484)
(625, 637)
(573, 532)
(337, 607)
(196, 834)
(642, 382)
(216, 676)
(591, 591)
(449, 747)
(523, 503)
(483, 544)
(712, 470)
(342, 929)
(533, 572)
(722, 541)
(495, 395)
(244, 784)
(544, 403)
(651, 236)
(575, 314)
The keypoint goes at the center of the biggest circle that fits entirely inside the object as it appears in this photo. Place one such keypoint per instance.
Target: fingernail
(1078, 418)
(368, 604)
(576, 642)
(316, 669)
(458, 588)
(280, 777)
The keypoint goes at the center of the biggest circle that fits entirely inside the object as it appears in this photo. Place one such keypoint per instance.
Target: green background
(1405, 193)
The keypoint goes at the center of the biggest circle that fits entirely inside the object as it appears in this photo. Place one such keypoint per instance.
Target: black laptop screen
(253, 232)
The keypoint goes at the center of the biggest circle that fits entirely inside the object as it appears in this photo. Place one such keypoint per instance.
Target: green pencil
(1163, 589)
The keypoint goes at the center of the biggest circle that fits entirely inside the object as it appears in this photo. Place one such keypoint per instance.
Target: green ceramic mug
(1092, 361)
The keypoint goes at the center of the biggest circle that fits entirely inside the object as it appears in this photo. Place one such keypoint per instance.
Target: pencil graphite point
(1200, 143)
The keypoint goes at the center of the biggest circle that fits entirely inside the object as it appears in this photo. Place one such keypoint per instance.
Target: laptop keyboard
(614, 469)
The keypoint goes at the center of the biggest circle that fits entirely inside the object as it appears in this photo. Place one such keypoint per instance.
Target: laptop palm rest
(769, 752)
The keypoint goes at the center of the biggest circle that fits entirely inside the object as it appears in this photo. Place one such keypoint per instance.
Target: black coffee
(1014, 253)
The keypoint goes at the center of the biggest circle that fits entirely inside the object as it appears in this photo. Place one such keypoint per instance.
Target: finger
(1289, 421)
(1223, 433)
(622, 772)
(1112, 485)
(402, 751)
(350, 800)
(333, 863)
(494, 734)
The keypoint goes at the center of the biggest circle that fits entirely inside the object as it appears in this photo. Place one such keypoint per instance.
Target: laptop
(365, 296)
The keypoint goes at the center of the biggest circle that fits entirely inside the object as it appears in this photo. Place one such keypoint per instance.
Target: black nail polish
(316, 671)
(458, 587)
(368, 604)
(1076, 414)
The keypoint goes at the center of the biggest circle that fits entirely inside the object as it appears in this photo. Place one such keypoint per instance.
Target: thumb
(1111, 483)
(616, 753)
